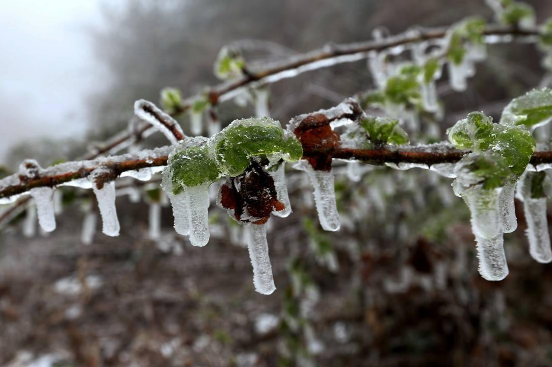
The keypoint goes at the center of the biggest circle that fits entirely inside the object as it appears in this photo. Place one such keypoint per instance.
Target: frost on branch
(531, 190)
(104, 189)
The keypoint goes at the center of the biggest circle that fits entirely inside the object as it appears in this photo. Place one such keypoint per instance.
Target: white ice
(196, 123)
(483, 205)
(429, 96)
(258, 252)
(354, 171)
(492, 259)
(197, 198)
(458, 75)
(139, 110)
(262, 96)
(324, 195)
(44, 199)
(179, 203)
(29, 226)
(507, 208)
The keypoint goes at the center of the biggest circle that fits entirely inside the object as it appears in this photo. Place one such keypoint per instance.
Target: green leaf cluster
(229, 64)
(384, 130)
(469, 31)
(171, 100)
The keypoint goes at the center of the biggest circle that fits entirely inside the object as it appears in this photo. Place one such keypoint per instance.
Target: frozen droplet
(258, 252)
(154, 221)
(88, 227)
(507, 207)
(279, 177)
(198, 205)
(537, 229)
(29, 226)
(196, 123)
(324, 195)
(354, 171)
(106, 202)
(492, 259)
(44, 199)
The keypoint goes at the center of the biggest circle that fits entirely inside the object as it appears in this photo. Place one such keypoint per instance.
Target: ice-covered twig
(147, 111)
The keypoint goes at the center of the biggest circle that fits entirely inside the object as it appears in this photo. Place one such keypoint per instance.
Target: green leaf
(229, 64)
(403, 89)
(474, 132)
(199, 105)
(243, 139)
(384, 130)
(193, 166)
(470, 31)
(531, 110)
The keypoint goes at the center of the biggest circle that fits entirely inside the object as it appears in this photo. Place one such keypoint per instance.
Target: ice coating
(262, 96)
(196, 123)
(143, 174)
(179, 203)
(44, 199)
(279, 177)
(492, 259)
(324, 195)
(258, 252)
(106, 202)
(154, 216)
(142, 109)
(429, 96)
(197, 198)
(213, 124)
(88, 227)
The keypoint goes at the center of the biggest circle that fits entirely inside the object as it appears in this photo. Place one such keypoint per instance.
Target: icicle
(106, 202)
(262, 96)
(213, 123)
(154, 221)
(29, 226)
(354, 172)
(492, 259)
(279, 177)
(58, 202)
(324, 195)
(88, 227)
(429, 96)
(198, 205)
(179, 203)
(44, 199)
(196, 123)
(258, 252)
(537, 229)
(485, 218)
(458, 75)
(507, 207)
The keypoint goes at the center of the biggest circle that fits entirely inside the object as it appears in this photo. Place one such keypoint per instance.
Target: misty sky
(46, 68)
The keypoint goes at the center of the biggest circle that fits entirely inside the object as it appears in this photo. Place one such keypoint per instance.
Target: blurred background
(396, 286)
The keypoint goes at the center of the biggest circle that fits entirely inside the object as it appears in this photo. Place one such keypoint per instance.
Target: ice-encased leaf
(171, 99)
(260, 260)
(229, 64)
(518, 14)
(384, 130)
(44, 199)
(243, 139)
(179, 203)
(192, 164)
(515, 144)
(473, 132)
(531, 110)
